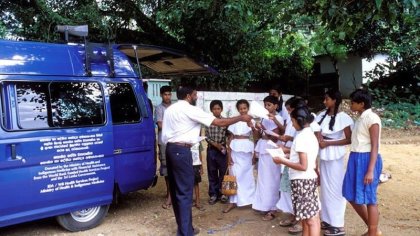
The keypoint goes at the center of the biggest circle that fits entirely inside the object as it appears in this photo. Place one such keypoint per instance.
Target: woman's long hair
(335, 95)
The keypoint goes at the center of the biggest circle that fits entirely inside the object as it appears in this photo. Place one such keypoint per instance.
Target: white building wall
(350, 74)
(350, 70)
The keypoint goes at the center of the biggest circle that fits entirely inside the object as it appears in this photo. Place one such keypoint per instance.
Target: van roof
(35, 58)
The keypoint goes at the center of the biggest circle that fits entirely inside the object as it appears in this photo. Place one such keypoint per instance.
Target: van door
(134, 136)
(56, 149)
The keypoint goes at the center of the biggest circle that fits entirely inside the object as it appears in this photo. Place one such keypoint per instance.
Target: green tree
(253, 44)
(2, 30)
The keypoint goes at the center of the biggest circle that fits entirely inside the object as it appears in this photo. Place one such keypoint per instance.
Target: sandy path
(140, 213)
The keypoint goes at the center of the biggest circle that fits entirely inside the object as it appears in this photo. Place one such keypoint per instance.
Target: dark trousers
(181, 185)
(216, 169)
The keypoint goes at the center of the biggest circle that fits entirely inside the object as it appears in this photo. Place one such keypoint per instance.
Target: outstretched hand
(246, 118)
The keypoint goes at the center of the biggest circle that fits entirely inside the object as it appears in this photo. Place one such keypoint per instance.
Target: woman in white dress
(335, 134)
(268, 180)
(240, 151)
(285, 202)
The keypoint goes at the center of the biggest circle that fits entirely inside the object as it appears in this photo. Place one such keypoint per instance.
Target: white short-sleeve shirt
(195, 153)
(360, 137)
(182, 122)
(283, 114)
(290, 131)
(304, 141)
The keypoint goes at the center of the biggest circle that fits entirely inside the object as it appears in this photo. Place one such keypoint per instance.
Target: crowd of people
(314, 147)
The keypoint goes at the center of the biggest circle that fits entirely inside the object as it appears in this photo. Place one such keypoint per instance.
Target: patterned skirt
(305, 198)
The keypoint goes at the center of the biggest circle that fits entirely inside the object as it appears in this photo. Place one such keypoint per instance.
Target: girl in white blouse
(335, 134)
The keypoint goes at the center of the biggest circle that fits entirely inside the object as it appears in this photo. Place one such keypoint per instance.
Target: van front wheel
(83, 219)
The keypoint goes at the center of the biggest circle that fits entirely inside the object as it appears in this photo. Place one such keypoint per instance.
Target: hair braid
(323, 117)
(332, 121)
(280, 106)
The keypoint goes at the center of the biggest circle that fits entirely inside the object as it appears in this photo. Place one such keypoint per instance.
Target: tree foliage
(253, 44)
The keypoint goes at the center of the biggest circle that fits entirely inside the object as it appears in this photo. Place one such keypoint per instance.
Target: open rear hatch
(165, 61)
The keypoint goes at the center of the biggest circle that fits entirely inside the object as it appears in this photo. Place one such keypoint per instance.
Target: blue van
(76, 128)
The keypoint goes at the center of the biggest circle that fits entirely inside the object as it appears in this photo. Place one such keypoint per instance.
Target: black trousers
(181, 186)
(216, 169)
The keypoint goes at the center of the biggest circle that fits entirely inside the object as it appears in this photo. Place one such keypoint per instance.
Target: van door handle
(118, 151)
(13, 150)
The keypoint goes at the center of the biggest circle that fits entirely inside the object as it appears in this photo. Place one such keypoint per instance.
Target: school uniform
(196, 162)
(241, 153)
(332, 168)
(268, 180)
(354, 189)
(285, 202)
(304, 183)
(283, 114)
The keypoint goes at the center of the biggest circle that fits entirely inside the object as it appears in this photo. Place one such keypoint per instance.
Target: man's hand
(247, 118)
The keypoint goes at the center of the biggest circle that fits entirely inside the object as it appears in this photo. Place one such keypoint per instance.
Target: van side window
(76, 104)
(32, 105)
(123, 101)
(59, 104)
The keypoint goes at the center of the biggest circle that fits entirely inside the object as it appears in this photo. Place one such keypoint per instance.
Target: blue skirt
(354, 189)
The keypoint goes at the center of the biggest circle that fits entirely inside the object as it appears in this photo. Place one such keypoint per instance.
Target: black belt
(182, 144)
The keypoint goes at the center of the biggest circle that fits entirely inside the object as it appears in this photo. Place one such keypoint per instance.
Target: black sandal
(325, 225)
(333, 231)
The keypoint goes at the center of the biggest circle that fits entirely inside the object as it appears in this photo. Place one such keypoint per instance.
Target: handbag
(229, 185)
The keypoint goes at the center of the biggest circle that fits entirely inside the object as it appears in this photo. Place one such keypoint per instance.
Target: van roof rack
(89, 47)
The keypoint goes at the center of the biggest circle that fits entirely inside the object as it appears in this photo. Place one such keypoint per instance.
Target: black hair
(360, 95)
(335, 95)
(271, 99)
(291, 100)
(216, 102)
(298, 102)
(241, 101)
(279, 101)
(302, 116)
(183, 91)
(165, 88)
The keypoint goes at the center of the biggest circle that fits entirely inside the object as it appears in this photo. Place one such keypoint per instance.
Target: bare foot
(229, 207)
(199, 207)
(166, 205)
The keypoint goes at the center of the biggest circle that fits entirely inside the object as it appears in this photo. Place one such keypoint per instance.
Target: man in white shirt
(180, 130)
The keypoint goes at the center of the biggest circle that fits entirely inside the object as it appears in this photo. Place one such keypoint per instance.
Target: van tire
(84, 219)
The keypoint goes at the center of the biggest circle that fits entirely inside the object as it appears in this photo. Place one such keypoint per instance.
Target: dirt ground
(140, 213)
